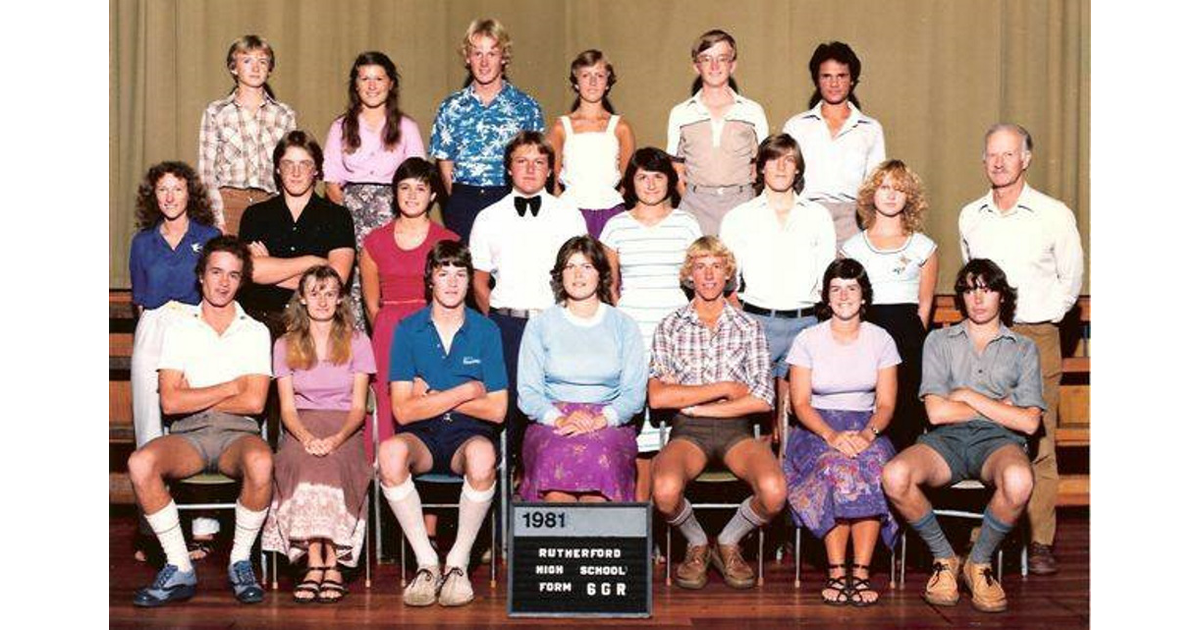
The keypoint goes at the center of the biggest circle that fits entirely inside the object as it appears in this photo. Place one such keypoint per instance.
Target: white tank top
(590, 166)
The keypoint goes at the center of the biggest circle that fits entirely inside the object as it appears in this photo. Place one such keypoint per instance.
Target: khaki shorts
(212, 432)
(714, 436)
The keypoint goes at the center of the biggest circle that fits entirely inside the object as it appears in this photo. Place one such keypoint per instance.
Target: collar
(230, 100)
(738, 99)
(856, 116)
(729, 315)
(1024, 200)
(960, 329)
(425, 318)
(239, 316)
(506, 89)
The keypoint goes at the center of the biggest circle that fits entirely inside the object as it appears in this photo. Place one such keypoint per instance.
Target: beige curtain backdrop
(936, 74)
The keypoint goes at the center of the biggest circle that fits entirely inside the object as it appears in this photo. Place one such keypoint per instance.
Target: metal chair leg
(796, 550)
(668, 568)
(760, 556)
(366, 556)
(403, 560)
(494, 551)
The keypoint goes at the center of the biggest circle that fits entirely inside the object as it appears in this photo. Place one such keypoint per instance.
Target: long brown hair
(391, 127)
(301, 349)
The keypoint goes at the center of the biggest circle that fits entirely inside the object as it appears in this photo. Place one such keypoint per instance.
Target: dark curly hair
(841, 53)
(199, 207)
(844, 269)
(985, 274)
(594, 252)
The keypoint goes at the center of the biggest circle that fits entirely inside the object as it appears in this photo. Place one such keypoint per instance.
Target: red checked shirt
(687, 352)
(236, 145)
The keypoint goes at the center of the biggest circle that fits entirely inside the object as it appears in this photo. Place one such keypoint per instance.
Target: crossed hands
(320, 447)
(579, 422)
(848, 443)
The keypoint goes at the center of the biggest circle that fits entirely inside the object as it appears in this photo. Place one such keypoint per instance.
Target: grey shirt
(1007, 368)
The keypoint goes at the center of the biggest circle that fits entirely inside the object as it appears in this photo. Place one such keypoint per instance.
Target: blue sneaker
(245, 585)
(169, 585)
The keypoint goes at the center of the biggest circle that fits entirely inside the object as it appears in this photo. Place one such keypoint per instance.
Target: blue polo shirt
(475, 353)
(159, 274)
(474, 135)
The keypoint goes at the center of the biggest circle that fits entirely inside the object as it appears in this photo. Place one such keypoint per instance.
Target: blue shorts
(781, 332)
(445, 434)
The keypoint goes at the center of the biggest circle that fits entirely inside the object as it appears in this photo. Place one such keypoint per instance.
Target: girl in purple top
(319, 508)
(364, 148)
(843, 387)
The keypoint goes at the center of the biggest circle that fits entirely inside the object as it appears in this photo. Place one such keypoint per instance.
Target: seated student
(982, 388)
(213, 374)
(843, 383)
(449, 393)
(322, 366)
(709, 361)
(582, 377)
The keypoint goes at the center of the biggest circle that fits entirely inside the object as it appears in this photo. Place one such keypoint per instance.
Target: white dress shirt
(782, 266)
(835, 166)
(1037, 245)
(520, 250)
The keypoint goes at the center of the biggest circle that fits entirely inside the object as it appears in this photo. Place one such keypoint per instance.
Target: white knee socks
(246, 524)
(165, 524)
(406, 505)
(473, 506)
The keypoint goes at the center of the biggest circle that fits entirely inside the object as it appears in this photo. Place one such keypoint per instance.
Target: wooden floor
(1059, 601)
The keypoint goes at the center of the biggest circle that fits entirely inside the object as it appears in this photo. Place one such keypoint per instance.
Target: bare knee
(668, 492)
(772, 491)
(257, 466)
(1015, 483)
(480, 466)
(897, 478)
(143, 467)
(393, 461)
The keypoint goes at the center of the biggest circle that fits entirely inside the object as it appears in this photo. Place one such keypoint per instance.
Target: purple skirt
(599, 462)
(596, 218)
(825, 486)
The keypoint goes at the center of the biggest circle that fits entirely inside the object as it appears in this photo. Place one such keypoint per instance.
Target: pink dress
(402, 285)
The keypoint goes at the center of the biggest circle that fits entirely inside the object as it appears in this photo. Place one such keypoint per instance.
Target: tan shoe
(728, 560)
(456, 588)
(986, 593)
(693, 571)
(423, 589)
(942, 587)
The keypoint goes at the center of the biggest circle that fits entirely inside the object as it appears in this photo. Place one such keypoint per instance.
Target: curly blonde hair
(906, 181)
(701, 247)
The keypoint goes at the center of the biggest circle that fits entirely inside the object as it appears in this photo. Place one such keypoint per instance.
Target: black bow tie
(532, 203)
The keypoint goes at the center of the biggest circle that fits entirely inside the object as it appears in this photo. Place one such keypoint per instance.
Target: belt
(719, 190)
(789, 314)
(517, 312)
(477, 190)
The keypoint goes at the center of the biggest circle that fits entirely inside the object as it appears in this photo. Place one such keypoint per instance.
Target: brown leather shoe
(728, 560)
(942, 587)
(986, 593)
(693, 571)
(1041, 560)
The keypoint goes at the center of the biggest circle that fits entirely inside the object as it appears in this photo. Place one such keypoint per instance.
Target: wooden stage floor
(1060, 601)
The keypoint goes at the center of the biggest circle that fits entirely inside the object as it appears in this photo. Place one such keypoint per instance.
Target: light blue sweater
(566, 359)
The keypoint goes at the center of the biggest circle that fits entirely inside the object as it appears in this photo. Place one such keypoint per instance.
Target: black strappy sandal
(839, 584)
(857, 587)
(332, 591)
(308, 586)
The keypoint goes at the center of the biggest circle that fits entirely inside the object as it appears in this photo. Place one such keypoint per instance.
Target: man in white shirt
(213, 375)
(1034, 239)
(515, 242)
(840, 143)
(783, 243)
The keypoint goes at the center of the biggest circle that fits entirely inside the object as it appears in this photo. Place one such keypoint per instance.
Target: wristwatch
(873, 430)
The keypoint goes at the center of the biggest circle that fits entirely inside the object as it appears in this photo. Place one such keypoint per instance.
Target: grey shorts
(714, 436)
(211, 432)
(966, 446)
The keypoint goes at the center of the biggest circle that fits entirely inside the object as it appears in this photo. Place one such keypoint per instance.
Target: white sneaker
(456, 588)
(423, 589)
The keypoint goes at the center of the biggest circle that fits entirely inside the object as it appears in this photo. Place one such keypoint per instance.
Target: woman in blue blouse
(581, 377)
(174, 220)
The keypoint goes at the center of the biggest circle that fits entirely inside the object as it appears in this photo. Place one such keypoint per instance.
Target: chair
(433, 479)
(784, 431)
(713, 477)
(214, 480)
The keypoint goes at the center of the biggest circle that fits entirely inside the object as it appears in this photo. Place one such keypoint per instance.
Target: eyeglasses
(303, 166)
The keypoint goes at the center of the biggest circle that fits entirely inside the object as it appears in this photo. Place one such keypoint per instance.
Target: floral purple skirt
(825, 486)
(601, 461)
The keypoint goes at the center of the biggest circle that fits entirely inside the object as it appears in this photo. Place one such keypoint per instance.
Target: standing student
(645, 247)
(1034, 239)
(582, 379)
(449, 394)
(713, 135)
(319, 509)
(594, 143)
(238, 133)
(903, 265)
(475, 124)
(393, 272)
(364, 148)
(214, 372)
(292, 232)
(841, 145)
(175, 220)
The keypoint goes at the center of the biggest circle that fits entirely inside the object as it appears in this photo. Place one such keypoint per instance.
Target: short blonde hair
(907, 181)
(489, 28)
(701, 247)
(246, 44)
